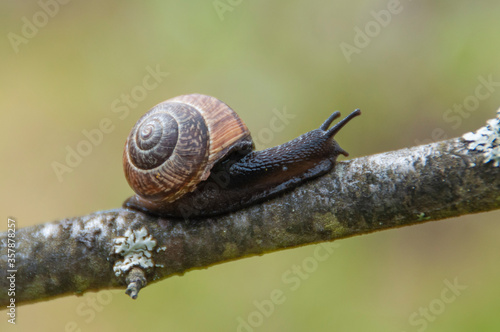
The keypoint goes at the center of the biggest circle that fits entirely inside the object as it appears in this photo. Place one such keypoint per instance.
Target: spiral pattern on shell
(173, 146)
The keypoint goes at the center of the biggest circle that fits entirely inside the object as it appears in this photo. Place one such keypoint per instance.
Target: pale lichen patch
(402, 165)
(50, 230)
(76, 229)
(136, 249)
(486, 140)
(161, 249)
(242, 223)
(96, 223)
(120, 221)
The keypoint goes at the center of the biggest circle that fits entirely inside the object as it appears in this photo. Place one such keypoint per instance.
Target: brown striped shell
(174, 145)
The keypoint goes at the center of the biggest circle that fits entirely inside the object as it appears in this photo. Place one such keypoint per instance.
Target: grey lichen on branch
(123, 248)
(487, 140)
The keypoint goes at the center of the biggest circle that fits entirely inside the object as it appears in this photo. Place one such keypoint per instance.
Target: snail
(191, 156)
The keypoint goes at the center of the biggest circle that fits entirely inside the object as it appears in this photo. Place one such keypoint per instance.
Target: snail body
(192, 156)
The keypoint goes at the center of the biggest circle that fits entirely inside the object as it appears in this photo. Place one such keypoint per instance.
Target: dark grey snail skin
(244, 177)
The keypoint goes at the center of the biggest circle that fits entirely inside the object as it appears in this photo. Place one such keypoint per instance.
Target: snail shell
(174, 146)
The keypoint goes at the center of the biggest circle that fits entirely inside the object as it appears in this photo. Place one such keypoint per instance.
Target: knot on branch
(136, 279)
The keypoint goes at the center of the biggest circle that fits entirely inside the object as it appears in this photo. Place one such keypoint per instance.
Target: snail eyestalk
(335, 129)
(329, 121)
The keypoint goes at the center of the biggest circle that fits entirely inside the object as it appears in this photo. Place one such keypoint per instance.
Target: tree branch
(120, 248)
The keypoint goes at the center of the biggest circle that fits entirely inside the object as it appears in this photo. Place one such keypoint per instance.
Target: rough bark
(363, 195)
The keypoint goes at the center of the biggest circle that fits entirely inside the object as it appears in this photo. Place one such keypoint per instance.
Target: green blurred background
(258, 56)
